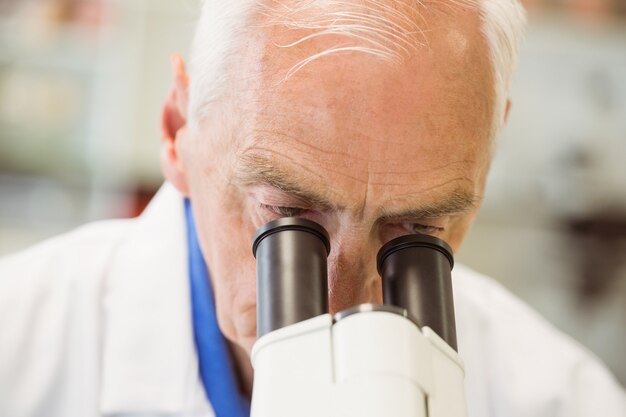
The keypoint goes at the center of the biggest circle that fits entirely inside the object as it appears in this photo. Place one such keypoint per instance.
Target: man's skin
(369, 149)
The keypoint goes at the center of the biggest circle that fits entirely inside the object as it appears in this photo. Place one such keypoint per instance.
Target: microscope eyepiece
(292, 279)
(416, 276)
(290, 223)
(413, 241)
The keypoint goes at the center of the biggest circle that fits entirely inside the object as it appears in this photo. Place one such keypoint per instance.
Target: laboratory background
(82, 82)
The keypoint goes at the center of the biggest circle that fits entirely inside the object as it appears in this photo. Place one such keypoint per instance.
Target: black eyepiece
(291, 223)
(416, 276)
(292, 278)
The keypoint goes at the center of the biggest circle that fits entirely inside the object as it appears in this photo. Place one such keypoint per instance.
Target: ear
(174, 124)
(506, 111)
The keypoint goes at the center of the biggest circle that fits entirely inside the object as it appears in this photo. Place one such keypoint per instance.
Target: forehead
(356, 123)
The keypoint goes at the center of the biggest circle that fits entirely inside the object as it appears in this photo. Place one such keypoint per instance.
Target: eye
(283, 211)
(423, 229)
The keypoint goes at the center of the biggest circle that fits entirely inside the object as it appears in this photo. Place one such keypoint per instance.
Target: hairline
(209, 64)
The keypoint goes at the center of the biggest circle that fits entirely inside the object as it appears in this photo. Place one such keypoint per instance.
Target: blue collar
(216, 365)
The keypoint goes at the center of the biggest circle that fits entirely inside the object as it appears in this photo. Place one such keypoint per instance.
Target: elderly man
(374, 118)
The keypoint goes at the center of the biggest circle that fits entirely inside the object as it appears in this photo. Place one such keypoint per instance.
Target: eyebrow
(256, 169)
(456, 202)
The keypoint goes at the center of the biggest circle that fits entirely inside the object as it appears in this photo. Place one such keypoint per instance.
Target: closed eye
(284, 211)
(422, 229)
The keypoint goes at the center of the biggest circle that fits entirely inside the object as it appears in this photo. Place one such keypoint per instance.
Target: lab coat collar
(150, 364)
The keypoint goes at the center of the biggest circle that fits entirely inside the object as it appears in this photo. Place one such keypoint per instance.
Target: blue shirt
(216, 365)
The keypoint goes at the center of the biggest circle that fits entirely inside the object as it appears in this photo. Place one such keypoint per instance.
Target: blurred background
(82, 81)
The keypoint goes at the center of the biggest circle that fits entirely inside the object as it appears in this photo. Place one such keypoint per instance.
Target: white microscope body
(367, 361)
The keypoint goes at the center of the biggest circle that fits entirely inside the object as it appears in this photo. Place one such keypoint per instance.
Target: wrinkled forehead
(286, 37)
(367, 58)
(325, 100)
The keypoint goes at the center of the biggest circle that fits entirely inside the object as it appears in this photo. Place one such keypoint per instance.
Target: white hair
(388, 29)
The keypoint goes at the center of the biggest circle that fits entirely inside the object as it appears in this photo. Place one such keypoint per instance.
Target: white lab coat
(97, 322)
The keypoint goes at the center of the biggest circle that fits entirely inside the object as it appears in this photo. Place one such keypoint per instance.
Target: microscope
(396, 359)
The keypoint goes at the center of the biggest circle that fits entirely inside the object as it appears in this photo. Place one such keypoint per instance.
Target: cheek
(225, 231)
(233, 273)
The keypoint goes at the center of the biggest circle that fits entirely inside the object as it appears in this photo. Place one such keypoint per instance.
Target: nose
(352, 275)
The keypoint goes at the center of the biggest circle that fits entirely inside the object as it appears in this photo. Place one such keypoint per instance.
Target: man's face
(370, 150)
